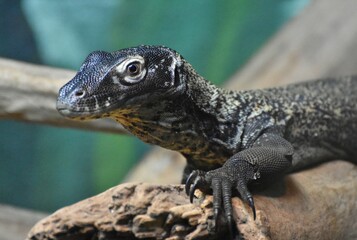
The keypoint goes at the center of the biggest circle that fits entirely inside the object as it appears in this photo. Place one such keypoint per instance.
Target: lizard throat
(176, 130)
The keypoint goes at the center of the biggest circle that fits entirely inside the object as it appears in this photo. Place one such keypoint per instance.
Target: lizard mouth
(86, 113)
(80, 113)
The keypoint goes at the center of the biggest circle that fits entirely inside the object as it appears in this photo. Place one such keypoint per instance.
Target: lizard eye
(132, 70)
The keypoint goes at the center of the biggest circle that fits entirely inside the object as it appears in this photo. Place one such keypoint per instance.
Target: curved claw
(189, 181)
(230, 228)
(252, 206)
(193, 188)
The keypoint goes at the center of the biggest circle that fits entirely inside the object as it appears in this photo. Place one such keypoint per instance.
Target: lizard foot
(222, 181)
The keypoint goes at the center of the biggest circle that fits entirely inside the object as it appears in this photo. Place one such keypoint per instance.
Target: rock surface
(309, 206)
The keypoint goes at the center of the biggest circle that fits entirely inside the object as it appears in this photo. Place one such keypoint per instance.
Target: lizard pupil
(133, 68)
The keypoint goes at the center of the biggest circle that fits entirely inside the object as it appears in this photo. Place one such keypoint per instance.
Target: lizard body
(230, 138)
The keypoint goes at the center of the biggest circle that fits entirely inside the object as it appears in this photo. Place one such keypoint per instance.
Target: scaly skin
(230, 139)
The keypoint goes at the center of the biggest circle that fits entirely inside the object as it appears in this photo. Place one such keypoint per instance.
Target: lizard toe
(246, 195)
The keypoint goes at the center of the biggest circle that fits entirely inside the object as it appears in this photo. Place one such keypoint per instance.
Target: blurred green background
(45, 168)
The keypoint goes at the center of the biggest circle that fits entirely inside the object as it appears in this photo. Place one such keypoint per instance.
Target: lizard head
(121, 81)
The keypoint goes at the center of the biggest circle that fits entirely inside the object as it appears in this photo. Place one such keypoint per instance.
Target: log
(28, 93)
(311, 207)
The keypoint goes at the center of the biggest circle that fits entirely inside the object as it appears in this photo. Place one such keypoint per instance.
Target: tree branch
(310, 208)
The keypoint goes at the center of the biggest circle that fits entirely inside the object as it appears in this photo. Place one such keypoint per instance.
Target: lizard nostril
(79, 93)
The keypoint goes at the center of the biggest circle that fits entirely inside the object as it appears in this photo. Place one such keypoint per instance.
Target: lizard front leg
(269, 156)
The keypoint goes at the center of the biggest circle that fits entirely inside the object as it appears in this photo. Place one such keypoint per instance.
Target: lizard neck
(218, 102)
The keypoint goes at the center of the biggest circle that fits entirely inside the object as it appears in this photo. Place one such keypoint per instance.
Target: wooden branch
(310, 208)
(28, 93)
